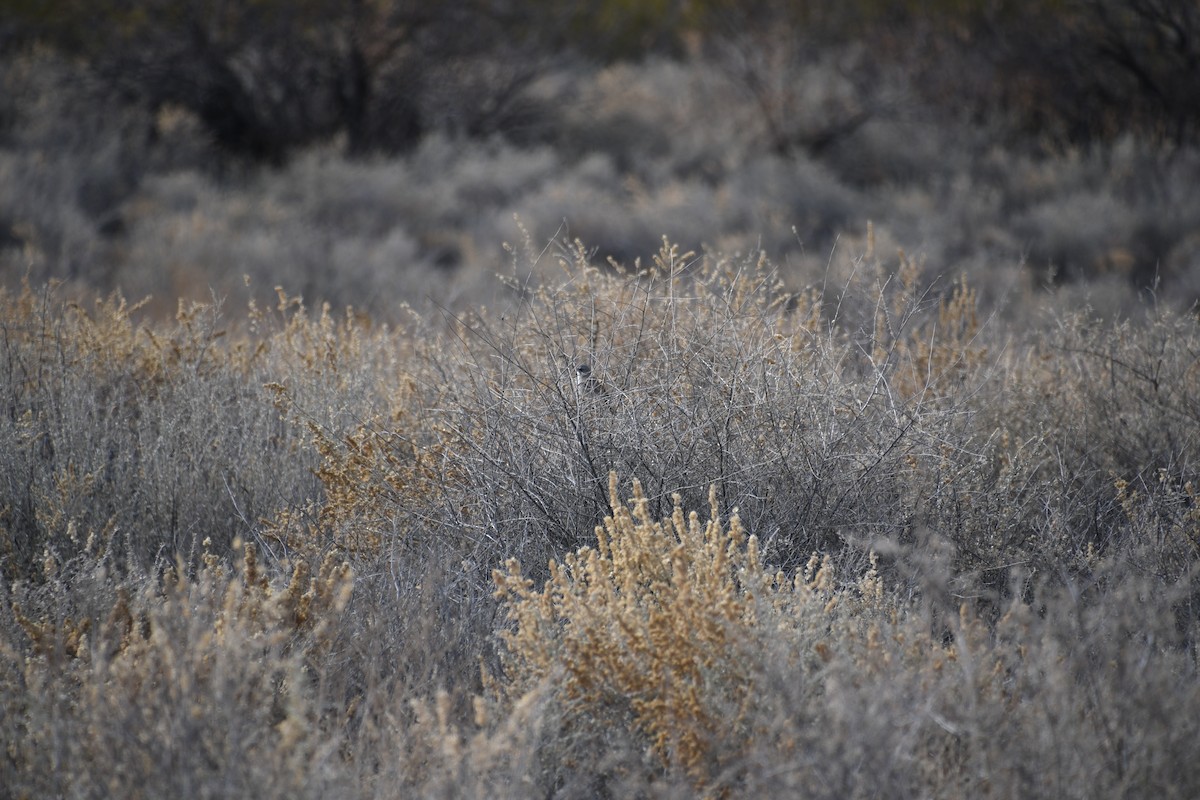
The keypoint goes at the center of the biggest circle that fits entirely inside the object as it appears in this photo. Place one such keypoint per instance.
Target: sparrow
(587, 383)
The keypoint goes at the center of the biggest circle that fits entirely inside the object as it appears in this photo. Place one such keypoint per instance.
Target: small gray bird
(587, 383)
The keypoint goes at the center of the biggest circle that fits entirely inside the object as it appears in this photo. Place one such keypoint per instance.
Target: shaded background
(369, 153)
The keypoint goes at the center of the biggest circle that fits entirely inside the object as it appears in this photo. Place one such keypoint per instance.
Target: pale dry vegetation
(882, 483)
(859, 540)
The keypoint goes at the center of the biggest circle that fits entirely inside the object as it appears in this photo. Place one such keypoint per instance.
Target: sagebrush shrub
(659, 622)
(161, 684)
(155, 436)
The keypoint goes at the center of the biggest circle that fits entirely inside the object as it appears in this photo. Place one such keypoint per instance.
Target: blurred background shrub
(372, 152)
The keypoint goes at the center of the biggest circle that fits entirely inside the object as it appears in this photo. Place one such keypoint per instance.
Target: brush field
(888, 487)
